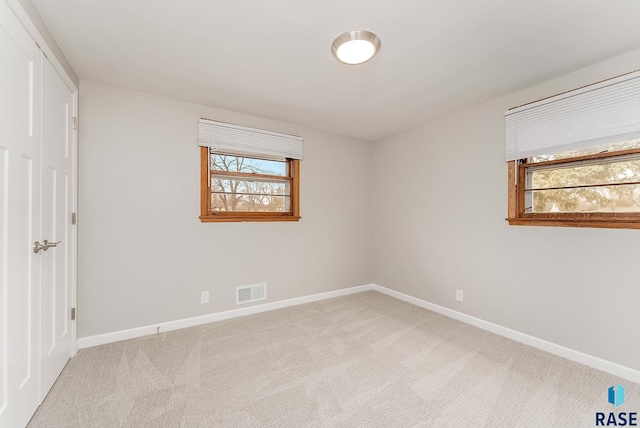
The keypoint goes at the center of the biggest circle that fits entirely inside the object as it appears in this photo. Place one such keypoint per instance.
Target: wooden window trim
(207, 216)
(516, 204)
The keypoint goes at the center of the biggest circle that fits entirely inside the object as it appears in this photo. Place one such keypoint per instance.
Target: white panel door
(20, 142)
(58, 165)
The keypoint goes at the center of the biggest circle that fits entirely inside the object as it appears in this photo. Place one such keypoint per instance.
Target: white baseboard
(559, 350)
(116, 336)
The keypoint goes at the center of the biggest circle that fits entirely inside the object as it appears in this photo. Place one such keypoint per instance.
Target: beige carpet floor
(363, 360)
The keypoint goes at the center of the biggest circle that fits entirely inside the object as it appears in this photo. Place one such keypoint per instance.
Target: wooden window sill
(244, 218)
(626, 224)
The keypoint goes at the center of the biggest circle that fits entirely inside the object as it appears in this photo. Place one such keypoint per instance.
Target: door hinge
(73, 314)
(75, 122)
(74, 218)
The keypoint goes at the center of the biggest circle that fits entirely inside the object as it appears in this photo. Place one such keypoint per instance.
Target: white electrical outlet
(459, 295)
(204, 297)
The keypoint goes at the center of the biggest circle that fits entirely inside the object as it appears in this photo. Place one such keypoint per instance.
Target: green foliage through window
(600, 185)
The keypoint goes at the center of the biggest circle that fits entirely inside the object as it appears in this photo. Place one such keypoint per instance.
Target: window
(577, 188)
(242, 188)
(574, 159)
(248, 174)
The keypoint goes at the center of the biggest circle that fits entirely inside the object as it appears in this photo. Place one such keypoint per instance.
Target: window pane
(220, 162)
(249, 195)
(618, 199)
(601, 173)
(249, 203)
(605, 148)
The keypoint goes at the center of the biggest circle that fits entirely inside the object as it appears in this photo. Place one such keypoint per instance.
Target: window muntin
(248, 188)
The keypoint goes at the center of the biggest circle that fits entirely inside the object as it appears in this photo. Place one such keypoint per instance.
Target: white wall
(440, 200)
(144, 256)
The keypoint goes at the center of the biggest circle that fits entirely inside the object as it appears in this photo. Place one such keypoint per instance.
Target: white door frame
(74, 232)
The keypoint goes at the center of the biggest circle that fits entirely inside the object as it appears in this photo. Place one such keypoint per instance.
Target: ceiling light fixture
(355, 47)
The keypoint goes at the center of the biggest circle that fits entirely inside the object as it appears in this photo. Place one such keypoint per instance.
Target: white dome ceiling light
(355, 47)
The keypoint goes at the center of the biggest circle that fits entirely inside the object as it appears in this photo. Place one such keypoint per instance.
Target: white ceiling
(273, 58)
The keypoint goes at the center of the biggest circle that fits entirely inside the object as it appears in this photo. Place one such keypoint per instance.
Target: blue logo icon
(616, 395)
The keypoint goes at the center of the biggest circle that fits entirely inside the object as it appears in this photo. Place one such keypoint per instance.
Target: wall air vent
(251, 293)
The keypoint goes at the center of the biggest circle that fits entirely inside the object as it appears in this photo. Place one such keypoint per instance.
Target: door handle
(37, 246)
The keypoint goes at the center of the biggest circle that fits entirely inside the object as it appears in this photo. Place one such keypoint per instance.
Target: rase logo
(616, 397)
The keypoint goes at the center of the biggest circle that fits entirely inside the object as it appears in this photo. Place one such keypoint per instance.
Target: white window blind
(235, 139)
(602, 113)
